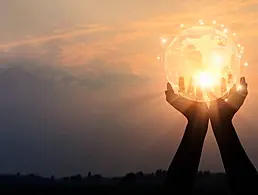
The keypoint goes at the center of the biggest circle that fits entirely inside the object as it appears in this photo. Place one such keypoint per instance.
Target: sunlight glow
(205, 61)
(205, 80)
(217, 59)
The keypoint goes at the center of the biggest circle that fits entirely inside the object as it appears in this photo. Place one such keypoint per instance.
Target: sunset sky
(87, 93)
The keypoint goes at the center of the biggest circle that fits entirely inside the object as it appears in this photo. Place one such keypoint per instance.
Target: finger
(181, 84)
(170, 94)
(242, 81)
(233, 90)
(223, 85)
(169, 87)
(211, 95)
(190, 90)
(199, 95)
(170, 97)
(243, 86)
(225, 97)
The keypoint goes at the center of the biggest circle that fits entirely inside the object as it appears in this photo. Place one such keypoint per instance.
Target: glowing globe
(203, 58)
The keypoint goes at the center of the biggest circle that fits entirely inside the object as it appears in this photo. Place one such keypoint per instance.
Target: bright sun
(205, 80)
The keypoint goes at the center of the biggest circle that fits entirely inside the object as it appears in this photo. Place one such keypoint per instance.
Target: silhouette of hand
(226, 107)
(182, 170)
(192, 110)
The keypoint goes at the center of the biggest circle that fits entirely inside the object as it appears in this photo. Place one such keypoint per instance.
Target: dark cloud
(55, 127)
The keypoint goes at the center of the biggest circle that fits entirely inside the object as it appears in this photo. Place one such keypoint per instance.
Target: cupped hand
(226, 107)
(192, 110)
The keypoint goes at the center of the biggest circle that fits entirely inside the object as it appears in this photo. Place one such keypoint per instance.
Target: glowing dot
(225, 30)
(182, 25)
(242, 48)
(201, 22)
(239, 56)
(238, 45)
(222, 25)
(163, 40)
(214, 22)
(234, 34)
(158, 58)
(226, 100)
(245, 64)
(241, 51)
(239, 87)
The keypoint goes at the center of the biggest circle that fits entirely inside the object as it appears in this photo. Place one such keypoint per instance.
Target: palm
(190, 109)
(227, 106)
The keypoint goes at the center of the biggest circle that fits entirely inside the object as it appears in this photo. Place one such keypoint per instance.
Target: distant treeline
(206, 182)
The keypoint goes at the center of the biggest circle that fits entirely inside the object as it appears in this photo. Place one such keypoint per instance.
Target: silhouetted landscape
(206, 182)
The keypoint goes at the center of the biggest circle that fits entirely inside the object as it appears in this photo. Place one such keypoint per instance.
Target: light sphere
(203, 58)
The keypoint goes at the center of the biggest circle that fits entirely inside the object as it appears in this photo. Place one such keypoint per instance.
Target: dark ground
(132, 183)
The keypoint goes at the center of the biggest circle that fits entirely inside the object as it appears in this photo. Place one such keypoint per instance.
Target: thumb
(169, 87)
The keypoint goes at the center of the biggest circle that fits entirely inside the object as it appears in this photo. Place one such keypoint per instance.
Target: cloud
(134, 46)
(57, 123)
(124, 43)
(58, 34)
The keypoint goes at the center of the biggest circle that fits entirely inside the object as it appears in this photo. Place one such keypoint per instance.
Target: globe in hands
(203, 57)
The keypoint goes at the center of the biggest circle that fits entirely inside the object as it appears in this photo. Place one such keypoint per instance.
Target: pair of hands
(224, 107)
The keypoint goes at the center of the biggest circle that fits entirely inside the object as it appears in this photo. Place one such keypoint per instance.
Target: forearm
(185, 163)
(233, 154)
(241, 172)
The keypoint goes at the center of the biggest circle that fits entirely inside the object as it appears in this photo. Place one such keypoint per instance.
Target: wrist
(221, 121)
(198, 123)
(221, 117)
(196, 131)
(224, 130)
(198, 120)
